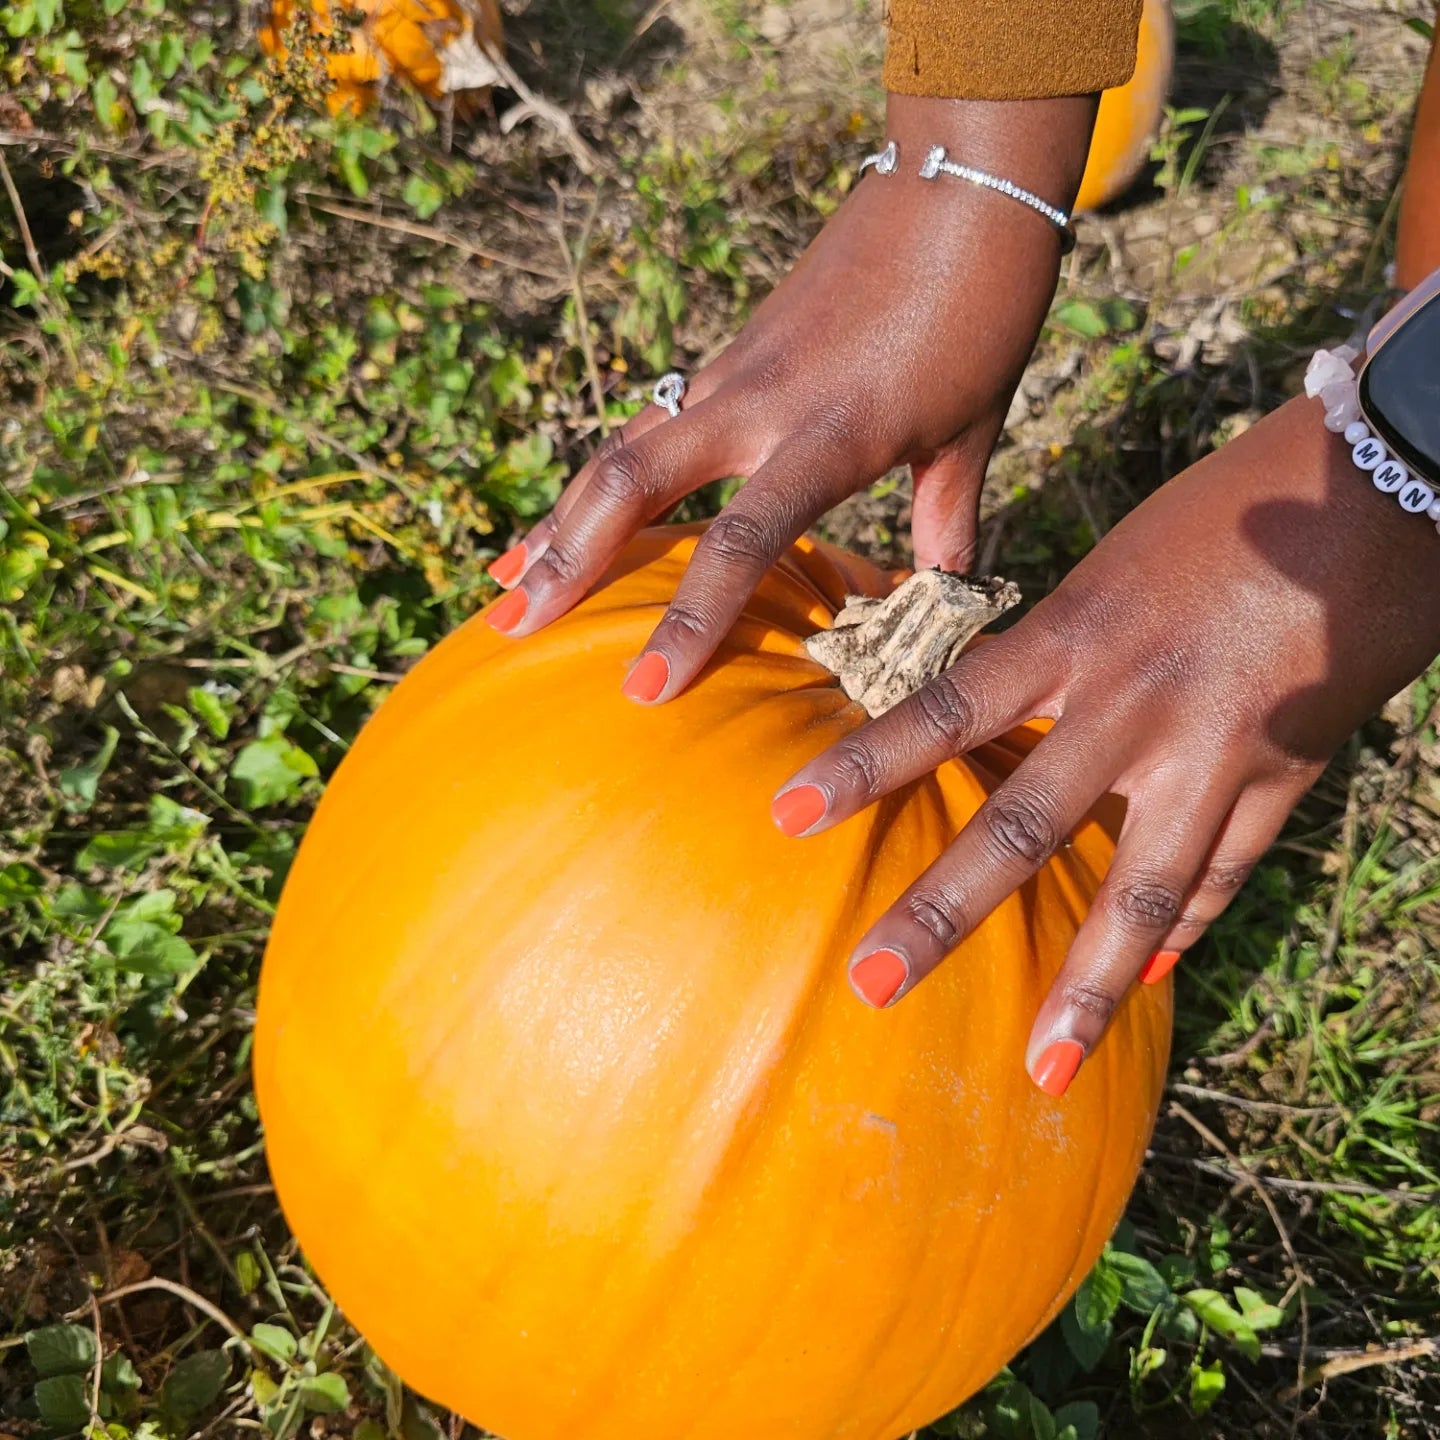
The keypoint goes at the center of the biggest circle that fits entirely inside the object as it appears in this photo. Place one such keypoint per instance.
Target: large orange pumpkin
(1417, 246)
(1129, 115)
(566, 1094)
(438, 46)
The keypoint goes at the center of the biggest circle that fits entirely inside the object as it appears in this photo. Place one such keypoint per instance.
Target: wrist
(1041, 145)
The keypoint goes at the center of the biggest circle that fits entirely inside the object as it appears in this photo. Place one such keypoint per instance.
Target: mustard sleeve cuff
(1010, 49)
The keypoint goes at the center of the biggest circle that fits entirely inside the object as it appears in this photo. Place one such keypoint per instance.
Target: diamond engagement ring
(669, 392)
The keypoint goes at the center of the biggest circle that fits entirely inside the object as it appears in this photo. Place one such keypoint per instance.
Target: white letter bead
(1415, 497)
(1389, 476)
(1357, 432)
(1368, 454)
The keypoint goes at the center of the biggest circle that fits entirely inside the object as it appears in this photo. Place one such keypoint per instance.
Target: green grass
(276, 388)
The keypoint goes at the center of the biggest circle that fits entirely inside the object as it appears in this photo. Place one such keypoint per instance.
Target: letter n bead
(1415, 497)
(1389, 476)
(1368, 454)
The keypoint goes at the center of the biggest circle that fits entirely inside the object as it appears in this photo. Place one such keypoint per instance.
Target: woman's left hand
(1204, 662)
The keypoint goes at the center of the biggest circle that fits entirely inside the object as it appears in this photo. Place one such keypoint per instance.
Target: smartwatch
(1399, 387)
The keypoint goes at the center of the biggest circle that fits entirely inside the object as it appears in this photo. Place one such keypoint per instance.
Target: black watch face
(1400, 391)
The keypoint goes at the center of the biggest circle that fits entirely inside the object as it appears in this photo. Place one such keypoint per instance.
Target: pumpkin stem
(882, 651)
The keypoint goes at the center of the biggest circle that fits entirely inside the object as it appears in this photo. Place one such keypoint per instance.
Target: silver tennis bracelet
(936, 163)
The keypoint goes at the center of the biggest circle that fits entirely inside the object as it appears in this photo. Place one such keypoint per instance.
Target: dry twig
(184, 1292)
(1344, 1362)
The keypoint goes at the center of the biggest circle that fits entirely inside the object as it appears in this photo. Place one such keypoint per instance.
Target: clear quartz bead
(1326, 368)
(1342, 405)
(1433, 513)
(1356, 431)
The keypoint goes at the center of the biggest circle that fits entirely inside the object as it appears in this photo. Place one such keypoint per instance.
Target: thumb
(945, 513)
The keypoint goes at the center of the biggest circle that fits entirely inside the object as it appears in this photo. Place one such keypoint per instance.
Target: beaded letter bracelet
(1331, 378)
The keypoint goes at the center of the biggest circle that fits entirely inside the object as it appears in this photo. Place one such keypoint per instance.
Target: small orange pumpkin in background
(566, 1094)
(1129, 115)
(438, 46)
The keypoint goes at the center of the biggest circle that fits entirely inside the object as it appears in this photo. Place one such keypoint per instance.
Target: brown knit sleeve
(1010, 49)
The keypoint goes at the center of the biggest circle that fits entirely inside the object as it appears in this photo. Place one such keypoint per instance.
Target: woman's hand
(900, 336)
(1204, 662)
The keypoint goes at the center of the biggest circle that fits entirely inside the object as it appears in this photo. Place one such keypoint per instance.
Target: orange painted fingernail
(510, 566)
(1057, 1066)
(797, 810)
(879, 976)
(649, 677)
(1158, 966)
(507, 613)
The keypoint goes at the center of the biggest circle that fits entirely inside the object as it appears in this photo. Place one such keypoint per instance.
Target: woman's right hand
(899, 337)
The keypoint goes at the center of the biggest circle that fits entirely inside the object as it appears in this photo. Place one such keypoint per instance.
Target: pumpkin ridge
(886, 813)
(750, 1116)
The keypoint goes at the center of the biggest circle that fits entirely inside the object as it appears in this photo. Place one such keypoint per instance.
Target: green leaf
(271, 770)
(169, 55)
(1222, 1317)
(118, 1375)
(142, 937)
(324, 1394)
(63, 1402)
(270, 206)
(1206, 1386)
(195, 1383)
(423, 197)
(1142, 1287)
(79, 783)
(1080, 1416)
(1082, 317)
(247, 1271)
(210, 711)
(1098, 1297)
(1259, 1313)
(1087, 1346)
(1421, 27)
(62, 1350)
(274, 1341)
(353, 174)
(105, 96)
(1042, 1422)
(262, 1387)
(417, 1423)
(18, 883)
(368, 1430)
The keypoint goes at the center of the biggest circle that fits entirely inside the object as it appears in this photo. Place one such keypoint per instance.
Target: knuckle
(559, 564)
(681, 619)
(945, 714)
(935, 917)
(856, 768)
(1193, 919)
(736, 537)
(1020, 828)
(1226, 877)
(1089, 998)
(621, 475)
(1146, 904)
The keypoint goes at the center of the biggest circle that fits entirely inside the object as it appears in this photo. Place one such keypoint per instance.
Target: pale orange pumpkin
(567, 1096)
(438, 46)
(1129, 115)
